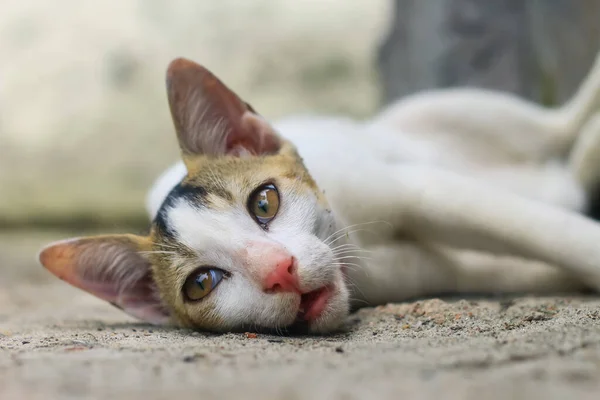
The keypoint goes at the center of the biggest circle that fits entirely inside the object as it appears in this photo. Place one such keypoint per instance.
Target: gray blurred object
(538, 49)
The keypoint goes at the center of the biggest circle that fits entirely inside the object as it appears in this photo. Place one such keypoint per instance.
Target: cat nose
(283, 278)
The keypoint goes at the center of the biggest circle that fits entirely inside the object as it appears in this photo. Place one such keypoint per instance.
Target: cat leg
(552, 183)
(397, 271)
(492, 127)
(465, 213)
(478, 272)
(584, 159)
(408, 269)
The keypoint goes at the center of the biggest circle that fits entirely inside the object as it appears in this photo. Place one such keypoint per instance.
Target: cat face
(243, 242)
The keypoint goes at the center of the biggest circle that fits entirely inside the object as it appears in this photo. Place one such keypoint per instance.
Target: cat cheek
(317, 270)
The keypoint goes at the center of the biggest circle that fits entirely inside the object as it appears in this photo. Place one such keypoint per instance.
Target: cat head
(241, 242)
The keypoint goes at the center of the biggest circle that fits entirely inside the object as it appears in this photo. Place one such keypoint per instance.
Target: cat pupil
(263, 205)
(200, 280)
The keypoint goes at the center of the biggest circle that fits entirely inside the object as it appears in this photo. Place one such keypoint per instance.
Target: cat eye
(199, 284)
(264, 203)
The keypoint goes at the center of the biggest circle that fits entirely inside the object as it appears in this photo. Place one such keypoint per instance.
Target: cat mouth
(312, 304)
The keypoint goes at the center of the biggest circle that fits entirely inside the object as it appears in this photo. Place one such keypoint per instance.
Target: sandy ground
(56, 342)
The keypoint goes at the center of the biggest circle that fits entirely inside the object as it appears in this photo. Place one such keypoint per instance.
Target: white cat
(277, 227)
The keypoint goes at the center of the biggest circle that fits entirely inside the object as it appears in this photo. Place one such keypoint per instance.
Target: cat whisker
(353, 267)
(349, 282)
(326, 240)
(345, 252)
(347, 234)
(345, 249)
(341, 233)
(342, 251)
(354, 257)
(347, 264)
(356, 299)
(344, 245)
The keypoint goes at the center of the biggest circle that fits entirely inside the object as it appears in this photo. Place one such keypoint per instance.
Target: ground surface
(56, 342)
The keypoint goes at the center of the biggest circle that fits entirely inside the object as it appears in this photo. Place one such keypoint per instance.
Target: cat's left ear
(212, 120)
(112, 268)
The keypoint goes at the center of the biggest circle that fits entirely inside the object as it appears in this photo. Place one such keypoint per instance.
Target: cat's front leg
(400, 270)
(464, 213)
(430, 205)
(408, 269)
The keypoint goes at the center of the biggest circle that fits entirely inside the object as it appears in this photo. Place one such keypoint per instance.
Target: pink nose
(283, 278)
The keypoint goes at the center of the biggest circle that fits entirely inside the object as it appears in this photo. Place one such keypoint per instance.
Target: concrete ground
(56, 342)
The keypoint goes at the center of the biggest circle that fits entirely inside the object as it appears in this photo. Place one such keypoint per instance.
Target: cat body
(266, 226)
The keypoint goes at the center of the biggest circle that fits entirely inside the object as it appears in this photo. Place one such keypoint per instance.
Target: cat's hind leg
(491, 127)
(584, 163)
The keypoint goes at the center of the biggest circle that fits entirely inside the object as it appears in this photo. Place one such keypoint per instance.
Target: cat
(294, 225)
(496, 136)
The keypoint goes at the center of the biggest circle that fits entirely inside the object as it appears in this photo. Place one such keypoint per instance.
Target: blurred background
(84, 123)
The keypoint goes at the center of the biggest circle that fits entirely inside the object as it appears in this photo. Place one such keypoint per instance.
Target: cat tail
(584, 103)
(468, 214)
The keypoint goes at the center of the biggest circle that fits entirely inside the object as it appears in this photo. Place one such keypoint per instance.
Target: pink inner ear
(140, 299)
(110, 269)
(210, 118)
(255, 137)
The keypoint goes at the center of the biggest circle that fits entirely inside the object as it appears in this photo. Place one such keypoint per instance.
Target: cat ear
(111, 268)
(210, 119)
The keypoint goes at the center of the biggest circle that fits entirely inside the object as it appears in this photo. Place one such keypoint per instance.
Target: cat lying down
(292, 225)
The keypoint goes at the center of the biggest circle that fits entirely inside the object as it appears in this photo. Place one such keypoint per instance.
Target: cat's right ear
(112, 268)
(212, 120)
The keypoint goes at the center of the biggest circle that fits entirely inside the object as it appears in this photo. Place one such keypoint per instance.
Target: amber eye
(199, 284)
(264, 203)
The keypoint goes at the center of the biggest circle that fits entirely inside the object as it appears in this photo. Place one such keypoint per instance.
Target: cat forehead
(221, 185)
(239, 173)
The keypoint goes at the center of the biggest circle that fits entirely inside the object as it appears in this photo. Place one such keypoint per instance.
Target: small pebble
(339, 349)
(192, 357)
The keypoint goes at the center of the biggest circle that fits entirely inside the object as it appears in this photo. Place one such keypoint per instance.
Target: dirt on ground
(59, 343)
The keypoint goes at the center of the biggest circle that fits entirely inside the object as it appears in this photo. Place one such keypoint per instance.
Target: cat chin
(330, 319)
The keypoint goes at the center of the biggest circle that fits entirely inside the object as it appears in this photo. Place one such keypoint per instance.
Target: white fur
(494, 127)
(585, 156)
(449, 191)
(163, 185)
